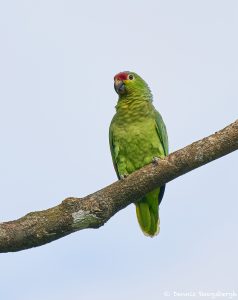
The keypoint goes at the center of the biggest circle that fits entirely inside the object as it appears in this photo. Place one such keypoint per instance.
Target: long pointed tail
(147, 211)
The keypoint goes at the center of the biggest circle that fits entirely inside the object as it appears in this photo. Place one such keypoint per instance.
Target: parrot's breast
(136, 143)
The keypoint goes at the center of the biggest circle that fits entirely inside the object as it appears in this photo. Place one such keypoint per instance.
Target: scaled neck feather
(136, 99)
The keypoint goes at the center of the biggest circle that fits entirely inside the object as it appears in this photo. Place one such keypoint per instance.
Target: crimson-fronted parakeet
(137, 135)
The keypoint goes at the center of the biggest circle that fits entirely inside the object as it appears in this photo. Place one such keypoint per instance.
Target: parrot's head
(129, 83)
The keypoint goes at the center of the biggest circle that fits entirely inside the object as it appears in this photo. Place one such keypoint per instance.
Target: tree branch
(92, 211)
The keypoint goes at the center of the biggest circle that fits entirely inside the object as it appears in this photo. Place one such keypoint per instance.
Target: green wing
(162, 132)
(113, 149)
(163, 136)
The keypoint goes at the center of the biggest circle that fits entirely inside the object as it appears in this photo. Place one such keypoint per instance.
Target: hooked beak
(119, 87)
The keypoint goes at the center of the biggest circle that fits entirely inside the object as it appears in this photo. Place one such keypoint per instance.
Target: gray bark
(92, 211)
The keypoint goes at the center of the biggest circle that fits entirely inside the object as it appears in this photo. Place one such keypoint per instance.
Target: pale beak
(119, 86)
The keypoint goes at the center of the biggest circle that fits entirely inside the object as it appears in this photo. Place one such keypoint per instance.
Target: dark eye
(131, 77)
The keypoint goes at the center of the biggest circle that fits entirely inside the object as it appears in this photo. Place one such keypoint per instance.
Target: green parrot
(137, 136)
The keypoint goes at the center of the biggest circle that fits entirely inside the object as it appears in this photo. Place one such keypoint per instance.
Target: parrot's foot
(155, 160)
(123, 176)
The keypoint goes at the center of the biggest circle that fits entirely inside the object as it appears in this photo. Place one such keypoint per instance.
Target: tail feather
(147, 211)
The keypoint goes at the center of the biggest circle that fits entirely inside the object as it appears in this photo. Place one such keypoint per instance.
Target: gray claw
(155, 160)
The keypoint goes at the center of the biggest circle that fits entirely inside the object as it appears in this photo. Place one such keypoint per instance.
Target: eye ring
(130, 76)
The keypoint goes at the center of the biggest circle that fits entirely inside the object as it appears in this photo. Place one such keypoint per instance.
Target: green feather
(137, 134)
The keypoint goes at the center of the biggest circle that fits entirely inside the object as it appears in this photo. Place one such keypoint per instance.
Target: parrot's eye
(131, 77)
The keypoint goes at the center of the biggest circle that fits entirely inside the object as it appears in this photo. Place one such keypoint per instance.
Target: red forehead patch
(121, 76)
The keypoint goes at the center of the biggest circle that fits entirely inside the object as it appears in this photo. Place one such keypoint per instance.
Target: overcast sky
(57, 62)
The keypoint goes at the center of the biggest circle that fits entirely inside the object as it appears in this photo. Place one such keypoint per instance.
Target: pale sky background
(57, 62)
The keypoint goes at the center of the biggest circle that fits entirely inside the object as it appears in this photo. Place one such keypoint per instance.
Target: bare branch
(92, 211)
